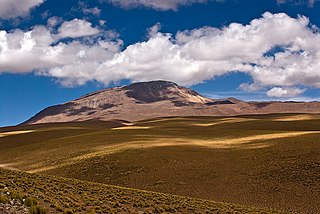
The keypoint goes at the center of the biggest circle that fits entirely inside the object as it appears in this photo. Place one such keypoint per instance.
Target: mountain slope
(147, 100)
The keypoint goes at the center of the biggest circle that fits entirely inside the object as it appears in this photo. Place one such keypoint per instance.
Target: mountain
(146, 100)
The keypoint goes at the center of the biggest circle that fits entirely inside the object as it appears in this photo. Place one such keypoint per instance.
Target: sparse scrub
(97, 200)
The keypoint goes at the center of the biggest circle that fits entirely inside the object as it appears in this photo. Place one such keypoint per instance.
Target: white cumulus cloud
(284, 92)
(16, 8)
(154, 29)
(249, 87)
(94, 11)
(77, 28)
(276, 50)
(298, 2)
(193, 56)
(40, 51)
(156, 4)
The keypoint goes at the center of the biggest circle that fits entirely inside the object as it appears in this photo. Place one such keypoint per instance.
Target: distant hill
(147, 100)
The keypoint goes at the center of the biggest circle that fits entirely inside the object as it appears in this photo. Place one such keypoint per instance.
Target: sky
(53, 51)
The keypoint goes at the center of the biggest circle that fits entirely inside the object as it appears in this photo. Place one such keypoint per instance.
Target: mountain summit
(148, 92)
(146, 100)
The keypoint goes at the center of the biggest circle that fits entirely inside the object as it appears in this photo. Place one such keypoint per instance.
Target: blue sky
(53, 51)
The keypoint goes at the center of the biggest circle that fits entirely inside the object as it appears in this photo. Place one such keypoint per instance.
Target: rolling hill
(264, 161)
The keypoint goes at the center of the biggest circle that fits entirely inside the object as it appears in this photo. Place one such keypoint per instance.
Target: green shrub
(29, 202)
(67, 212)
(3, 199)
(36, 209)
(16, 195)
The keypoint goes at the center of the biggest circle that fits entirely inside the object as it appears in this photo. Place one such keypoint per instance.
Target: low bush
(36, 209)
(3, 199)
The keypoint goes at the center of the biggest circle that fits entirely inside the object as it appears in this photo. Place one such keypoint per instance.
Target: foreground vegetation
(75, 196)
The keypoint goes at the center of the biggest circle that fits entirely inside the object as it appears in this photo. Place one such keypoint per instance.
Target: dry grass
(130, 127)
(5, 134)
(244, 143)
(302, 117)
(263, 160)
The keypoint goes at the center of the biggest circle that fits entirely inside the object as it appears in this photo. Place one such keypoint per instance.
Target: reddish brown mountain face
(146, 100)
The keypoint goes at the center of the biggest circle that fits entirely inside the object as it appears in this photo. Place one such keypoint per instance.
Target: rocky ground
(13, 207)
(12, 203)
